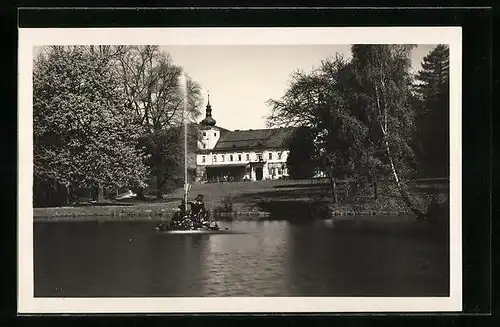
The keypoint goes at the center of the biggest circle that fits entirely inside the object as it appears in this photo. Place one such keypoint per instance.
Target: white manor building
(224, 155)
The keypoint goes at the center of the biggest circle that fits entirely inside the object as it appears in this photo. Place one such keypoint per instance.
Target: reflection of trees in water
(194, 258)
(325, 263)
(116, 259)
(307, 262)
(48, 259)
(65, 262)
(250, 264)
(330, 262)
(179, 265)
(273, 259)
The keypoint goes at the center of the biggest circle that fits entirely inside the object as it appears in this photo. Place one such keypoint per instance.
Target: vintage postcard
(198, 170)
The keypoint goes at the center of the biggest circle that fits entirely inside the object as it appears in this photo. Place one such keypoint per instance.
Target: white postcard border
(29, 38)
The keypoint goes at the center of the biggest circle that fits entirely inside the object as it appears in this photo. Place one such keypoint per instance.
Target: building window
(204, 133)
(279, 155)
(215, 158)
(239, 157)
(259, 156)
(204, 145)
(279, 171)
(222, 156)
(248, 156)
(270, 156)
(215, 134)
(203, 159)
(230, 157)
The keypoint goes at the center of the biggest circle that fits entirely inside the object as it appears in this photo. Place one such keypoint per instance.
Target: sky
(240, 79)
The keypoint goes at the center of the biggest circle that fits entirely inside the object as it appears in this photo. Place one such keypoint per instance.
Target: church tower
(208, 121)
(209, 133)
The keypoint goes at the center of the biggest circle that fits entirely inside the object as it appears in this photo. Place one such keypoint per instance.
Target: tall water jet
(184, 89)
(193, 221)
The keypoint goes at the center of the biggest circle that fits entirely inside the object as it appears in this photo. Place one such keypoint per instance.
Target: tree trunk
(140, 194)
(67, 198)
(100, 193)
(53, 194)
(333, 185)
(384, 129)
(71, 194)
(334, 191)
(402, 190)
(60, 195)
(159, 185)
(47, 193)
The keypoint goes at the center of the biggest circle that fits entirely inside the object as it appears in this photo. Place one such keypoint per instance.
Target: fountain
(183, 83)
(185, 221)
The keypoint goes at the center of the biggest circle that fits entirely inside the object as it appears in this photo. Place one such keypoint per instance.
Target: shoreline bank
(162, 212)
(266, 200)
(338, 219)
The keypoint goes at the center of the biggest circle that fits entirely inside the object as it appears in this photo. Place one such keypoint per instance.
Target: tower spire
(208, 121)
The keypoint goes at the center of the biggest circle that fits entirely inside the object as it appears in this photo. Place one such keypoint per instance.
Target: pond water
(273, 258)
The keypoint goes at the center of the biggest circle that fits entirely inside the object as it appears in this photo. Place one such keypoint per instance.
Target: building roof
(254, 139)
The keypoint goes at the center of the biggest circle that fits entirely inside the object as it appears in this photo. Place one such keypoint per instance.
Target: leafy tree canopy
(83, 134)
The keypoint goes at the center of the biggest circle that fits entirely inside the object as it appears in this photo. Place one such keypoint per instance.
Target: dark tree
(433, 113)
(300, 161)
(319, 101)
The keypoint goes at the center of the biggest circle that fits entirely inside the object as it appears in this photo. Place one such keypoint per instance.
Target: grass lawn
(249, 194)
(277, 198)
(245, 196)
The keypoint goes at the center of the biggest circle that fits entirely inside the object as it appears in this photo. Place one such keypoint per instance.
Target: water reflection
(250, 264)
(179, 266)
(115, 259)
(329, 262)
(272, 259)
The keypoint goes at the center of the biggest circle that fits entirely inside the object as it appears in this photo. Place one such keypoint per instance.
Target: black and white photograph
(240, 169)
